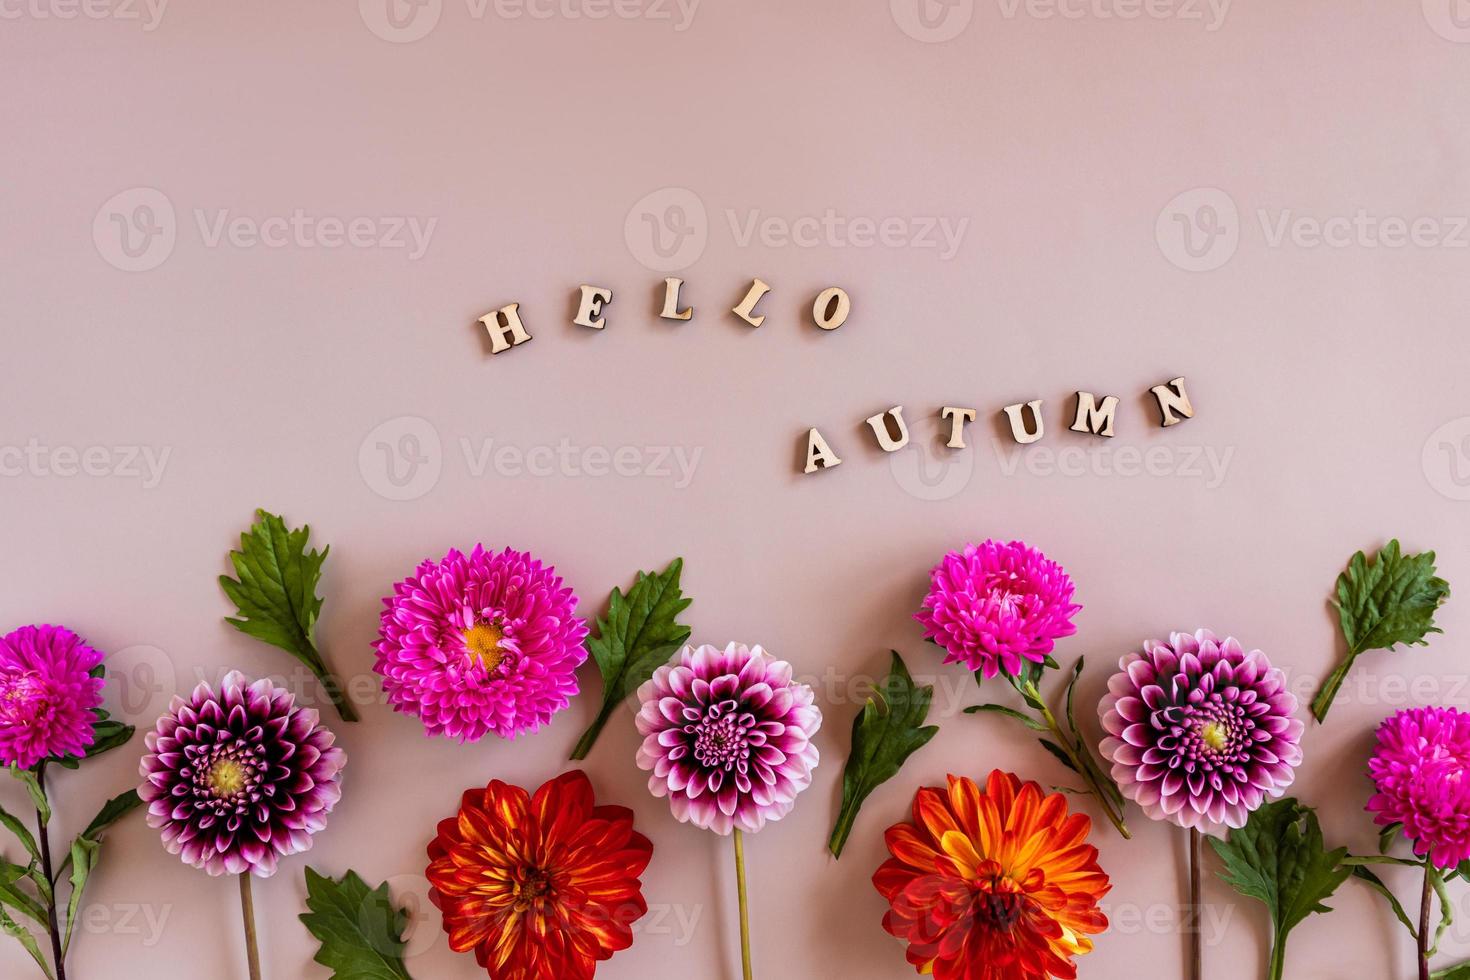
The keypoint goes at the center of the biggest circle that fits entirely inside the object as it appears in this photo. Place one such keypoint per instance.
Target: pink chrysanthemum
(994, 606)
(1419, 770)
(1199, 731)
(239, 778)
(727, 735)
(47, 693)
(481, 643)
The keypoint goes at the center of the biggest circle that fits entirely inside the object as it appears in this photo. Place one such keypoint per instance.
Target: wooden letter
(831, 308)
(1173, 398)
(957, 419)
(880, 429)
(819, 455)
(1094, 418)
(747, 305)
(587, 312)
(505, 321)
(1018, 425)
(671, 301)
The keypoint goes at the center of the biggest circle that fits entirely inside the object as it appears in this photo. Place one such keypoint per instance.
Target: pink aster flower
(1199, 731)
(994, 606)
(1419, 772)
(481, 643)
(240, 777)
(47, 693)
(727, 736)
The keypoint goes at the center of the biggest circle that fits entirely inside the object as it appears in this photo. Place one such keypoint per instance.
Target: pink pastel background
(1068, 155)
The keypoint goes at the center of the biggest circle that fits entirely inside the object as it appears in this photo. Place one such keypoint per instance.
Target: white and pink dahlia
(727, 737)
(481, 643)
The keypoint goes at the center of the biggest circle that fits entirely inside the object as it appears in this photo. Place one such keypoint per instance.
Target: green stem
(840, 832)
(584, 744)
(1114, 813)
(42, 817)
(1323, 701)
(744, 909)
(1275, 970)
(333, 687)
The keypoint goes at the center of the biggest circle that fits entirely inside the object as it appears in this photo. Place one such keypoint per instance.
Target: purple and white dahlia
(240, 777)
(481, 643)
(995, 607)
(47, 693)
(1199, 731)
(727, 736)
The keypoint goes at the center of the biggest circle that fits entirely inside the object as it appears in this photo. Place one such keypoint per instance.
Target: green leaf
(888, 730)
(38, 794)
(11, 894)
(1374, 882)
(1382, 603)
(275, 595)
(13, 928)
(1278, 858)
(359, 928)
(1446, 906)
(83, 859)
(1461, 972)
(1000, 709)
(112, 811)
(1060, 753)
(638, 635)
(13, 824)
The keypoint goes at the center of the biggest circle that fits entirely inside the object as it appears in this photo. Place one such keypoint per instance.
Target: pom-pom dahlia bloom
(47, 693)
(1200, 731)
(240, 777)
(541, 887)
(1419, 771)
(481, 643)
(992, 884)
(994, 607)
(727, 736)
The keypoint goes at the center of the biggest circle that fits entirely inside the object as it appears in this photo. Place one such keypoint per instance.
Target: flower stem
(1278, 958)
(1084, 769)
(584, 744)
(744, 909)
(1323, 701)
(58, 957)
(1424, 908)
(1196, 953)
(247, 912)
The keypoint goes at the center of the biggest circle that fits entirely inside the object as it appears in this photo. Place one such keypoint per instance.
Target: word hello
(506, 331)
(1091, 416)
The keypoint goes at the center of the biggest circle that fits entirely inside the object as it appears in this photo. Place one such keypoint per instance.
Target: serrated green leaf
(1279, 858)
(275, 595)
(637, 636)
(359, 928)
(888, 730)
(1382, 603)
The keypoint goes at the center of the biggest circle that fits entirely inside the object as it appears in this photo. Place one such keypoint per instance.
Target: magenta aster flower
(481, 643)
(993, 606)
(47, 693)
(239, 778)
(727, 735)
(1199, 731)
(1419, 772)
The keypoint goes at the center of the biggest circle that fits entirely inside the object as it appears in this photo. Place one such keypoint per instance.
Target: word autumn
(506, 331)
(1091, 416)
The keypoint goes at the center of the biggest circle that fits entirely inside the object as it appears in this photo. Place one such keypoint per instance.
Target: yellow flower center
(226, 777)
(483, 642)
(1214, 735)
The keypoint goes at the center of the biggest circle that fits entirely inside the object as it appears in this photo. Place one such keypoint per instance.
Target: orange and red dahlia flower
(993, 884)
(541, 887)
